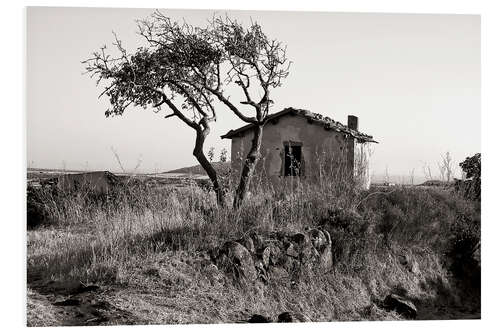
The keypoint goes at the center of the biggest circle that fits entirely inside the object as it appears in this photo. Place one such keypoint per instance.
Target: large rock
(257, 318)
(275, 255)
(236, 261)
(248, 243)
(401, 305)
(322, 243)
(69, 287)
(292, 317)
(299, 239)
(319, 239)
(292, 251)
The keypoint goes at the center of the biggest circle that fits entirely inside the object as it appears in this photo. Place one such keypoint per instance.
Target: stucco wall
(318, 146)
(362, 154)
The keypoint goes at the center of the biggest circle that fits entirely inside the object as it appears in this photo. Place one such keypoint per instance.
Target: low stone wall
(276, 255)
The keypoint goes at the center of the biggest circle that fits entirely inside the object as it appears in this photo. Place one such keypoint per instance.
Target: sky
(413, 80)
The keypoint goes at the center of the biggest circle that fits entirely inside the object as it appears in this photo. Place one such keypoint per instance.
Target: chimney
(352, 122)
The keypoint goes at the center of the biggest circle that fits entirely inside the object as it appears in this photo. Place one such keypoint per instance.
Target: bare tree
(446, 167)
(412, 176)
(187, 69)
(427, 171)
(442, 171)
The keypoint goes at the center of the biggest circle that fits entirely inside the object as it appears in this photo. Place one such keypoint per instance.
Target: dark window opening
(293, 156)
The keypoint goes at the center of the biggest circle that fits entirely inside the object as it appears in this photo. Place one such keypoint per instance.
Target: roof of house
(327, 122)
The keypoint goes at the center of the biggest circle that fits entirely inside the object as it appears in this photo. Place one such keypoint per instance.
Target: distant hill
(397, 179)
(436, 182)
(198, 170)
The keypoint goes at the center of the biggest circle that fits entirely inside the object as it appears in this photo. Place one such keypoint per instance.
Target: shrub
(471, 186)
(465, 240)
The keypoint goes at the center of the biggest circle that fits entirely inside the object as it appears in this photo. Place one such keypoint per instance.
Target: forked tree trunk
(249, 166)
(206, 165)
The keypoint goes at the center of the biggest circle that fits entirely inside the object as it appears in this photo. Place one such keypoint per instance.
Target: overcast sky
(413, 81)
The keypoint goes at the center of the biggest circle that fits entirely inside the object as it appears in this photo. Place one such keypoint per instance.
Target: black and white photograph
(223, 166)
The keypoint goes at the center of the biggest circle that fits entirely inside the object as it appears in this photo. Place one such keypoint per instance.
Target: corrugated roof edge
(325, 121)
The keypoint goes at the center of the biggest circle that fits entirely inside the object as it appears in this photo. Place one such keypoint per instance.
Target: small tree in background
(446, 167)
(427, 171)
(211, 154)
(223, 155)
(412, 176)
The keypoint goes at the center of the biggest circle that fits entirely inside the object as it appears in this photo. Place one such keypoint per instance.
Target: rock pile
(275, 255)
(401, 305)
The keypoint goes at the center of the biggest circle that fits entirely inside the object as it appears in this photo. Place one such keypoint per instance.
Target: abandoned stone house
(299, 143)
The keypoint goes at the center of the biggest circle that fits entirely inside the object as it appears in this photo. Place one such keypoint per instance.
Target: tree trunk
(249, 167)
(206, 165)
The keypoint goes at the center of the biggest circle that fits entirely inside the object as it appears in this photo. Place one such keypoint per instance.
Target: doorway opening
(293, 158)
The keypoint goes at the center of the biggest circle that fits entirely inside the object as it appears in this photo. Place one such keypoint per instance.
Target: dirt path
(72, 303)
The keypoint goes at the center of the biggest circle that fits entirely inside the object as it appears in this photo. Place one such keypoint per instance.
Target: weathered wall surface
(362, 153)
(318, 146)
(98, 181)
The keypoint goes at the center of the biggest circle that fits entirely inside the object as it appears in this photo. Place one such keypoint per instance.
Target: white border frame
(13, 164)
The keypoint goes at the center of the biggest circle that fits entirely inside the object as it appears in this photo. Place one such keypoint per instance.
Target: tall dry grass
(104, 239)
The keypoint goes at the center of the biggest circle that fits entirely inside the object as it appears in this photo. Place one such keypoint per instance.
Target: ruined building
(300, 144)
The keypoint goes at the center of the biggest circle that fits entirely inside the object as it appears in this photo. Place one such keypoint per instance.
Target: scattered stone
(257, 239)
(257, 318)
(275, 255)
(261, 271)
(299, 238)
(403, 260)
(414, 267)
(291, 251)
(248, 243)
(292, 317)
(318, 239)
(69, 287)
(69, 302)
(266, 254)
(326, 259)
(236, 260)
(401, 305)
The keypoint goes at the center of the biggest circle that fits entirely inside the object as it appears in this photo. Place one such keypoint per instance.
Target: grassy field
(147, 252)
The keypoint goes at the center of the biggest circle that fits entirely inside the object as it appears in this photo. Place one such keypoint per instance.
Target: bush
(136, 219)
(464, 242)
(471, 186)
